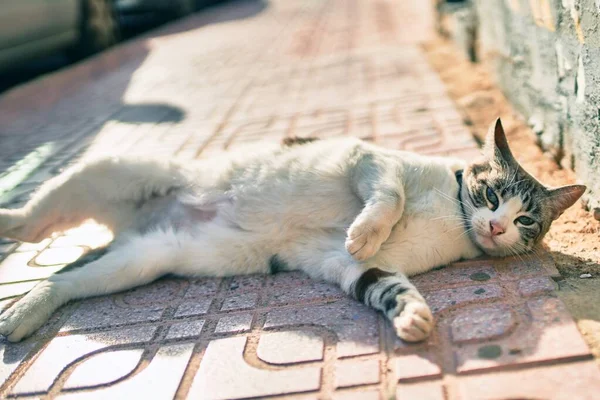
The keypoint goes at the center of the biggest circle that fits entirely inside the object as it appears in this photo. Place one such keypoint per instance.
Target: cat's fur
(341, 210)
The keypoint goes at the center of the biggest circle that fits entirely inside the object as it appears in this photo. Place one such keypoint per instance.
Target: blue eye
(523, 220)
(491, 198)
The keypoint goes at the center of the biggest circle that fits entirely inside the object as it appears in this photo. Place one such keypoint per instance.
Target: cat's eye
(523, 220)
(491, 198)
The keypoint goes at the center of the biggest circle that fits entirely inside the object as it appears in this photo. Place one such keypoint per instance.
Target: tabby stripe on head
(295, 140)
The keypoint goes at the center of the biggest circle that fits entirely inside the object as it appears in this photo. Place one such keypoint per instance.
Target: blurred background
(41, 36)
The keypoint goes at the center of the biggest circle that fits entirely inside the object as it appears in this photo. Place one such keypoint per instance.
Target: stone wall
(546, 57)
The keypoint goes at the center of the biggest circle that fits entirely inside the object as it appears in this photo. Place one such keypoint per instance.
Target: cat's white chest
(430, 234)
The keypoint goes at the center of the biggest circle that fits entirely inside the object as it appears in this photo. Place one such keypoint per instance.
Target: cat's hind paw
(414, 323)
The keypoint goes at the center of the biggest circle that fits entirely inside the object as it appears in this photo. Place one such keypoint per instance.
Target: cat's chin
(487, 242)
(489, 245)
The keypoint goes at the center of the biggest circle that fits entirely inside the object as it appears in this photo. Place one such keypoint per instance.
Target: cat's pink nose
(496, 228)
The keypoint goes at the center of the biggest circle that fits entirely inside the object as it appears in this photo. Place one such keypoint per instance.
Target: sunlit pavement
(249, 72)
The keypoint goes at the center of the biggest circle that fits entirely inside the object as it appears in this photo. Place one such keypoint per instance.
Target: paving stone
(5, 241)
(224, 374)
(534, 286)
(15, 268)
(62, 351)
(482, 323)
(40, 176)
(542, 338)
(198, 307)
(527, 265)
(202, 288)
(287, 279)
(104, 312)
(455, 274)
(103, 368)
(152, 381)
(353, 323)
(240, 302)
(417, 365)
(16, 289)
(448, 298)
(289, 347)
(6, 248)
(577, 380)
(59, 256)
(234, 323)
(354, 373)
(313, 290)
(157, 293)
(185, 329)
(246, 283)
(420, 391)
(358, 395)
(12, 355)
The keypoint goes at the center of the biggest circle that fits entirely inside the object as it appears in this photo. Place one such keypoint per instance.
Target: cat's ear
(563, 197)
(496, 145)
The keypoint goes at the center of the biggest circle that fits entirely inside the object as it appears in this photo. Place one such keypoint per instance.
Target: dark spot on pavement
(480, 276)
(489, 352)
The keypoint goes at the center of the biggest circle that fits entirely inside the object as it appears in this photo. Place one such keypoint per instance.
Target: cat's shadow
(493, 321)
(522, 326)
(579, 289)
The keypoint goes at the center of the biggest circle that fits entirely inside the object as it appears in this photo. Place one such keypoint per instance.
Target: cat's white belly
(420, 243)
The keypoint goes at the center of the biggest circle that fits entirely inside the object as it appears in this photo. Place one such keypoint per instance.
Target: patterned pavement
(253, 71)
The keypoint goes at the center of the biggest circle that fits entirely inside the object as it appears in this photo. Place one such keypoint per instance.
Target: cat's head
(507, 210)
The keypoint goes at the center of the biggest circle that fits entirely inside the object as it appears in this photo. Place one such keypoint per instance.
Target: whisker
(454, 229)
(451, 218)
(515, 183)
(517, 249)
(512, 179)
(467, 231)
(456, 201)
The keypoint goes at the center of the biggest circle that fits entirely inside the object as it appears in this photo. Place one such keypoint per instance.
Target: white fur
(312, 205)
(505, 214)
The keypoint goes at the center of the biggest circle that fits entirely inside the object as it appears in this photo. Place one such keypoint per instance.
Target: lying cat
(340, 210)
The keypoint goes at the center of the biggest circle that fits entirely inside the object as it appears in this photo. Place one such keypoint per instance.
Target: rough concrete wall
(546, 57)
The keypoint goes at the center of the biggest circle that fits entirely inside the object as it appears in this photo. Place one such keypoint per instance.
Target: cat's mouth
(486, 242)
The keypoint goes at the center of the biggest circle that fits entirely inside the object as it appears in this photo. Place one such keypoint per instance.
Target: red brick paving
(247, 73)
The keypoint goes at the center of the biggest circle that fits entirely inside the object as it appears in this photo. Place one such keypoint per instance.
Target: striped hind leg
(390, 293)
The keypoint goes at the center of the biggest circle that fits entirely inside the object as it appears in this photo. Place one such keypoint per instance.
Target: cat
(341, 210)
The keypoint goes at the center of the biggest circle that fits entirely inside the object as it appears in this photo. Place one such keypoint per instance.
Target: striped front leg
(398, 299)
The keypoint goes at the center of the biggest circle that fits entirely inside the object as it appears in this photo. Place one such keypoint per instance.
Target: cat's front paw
(415, 322)
(365, 238)
(25, 316)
